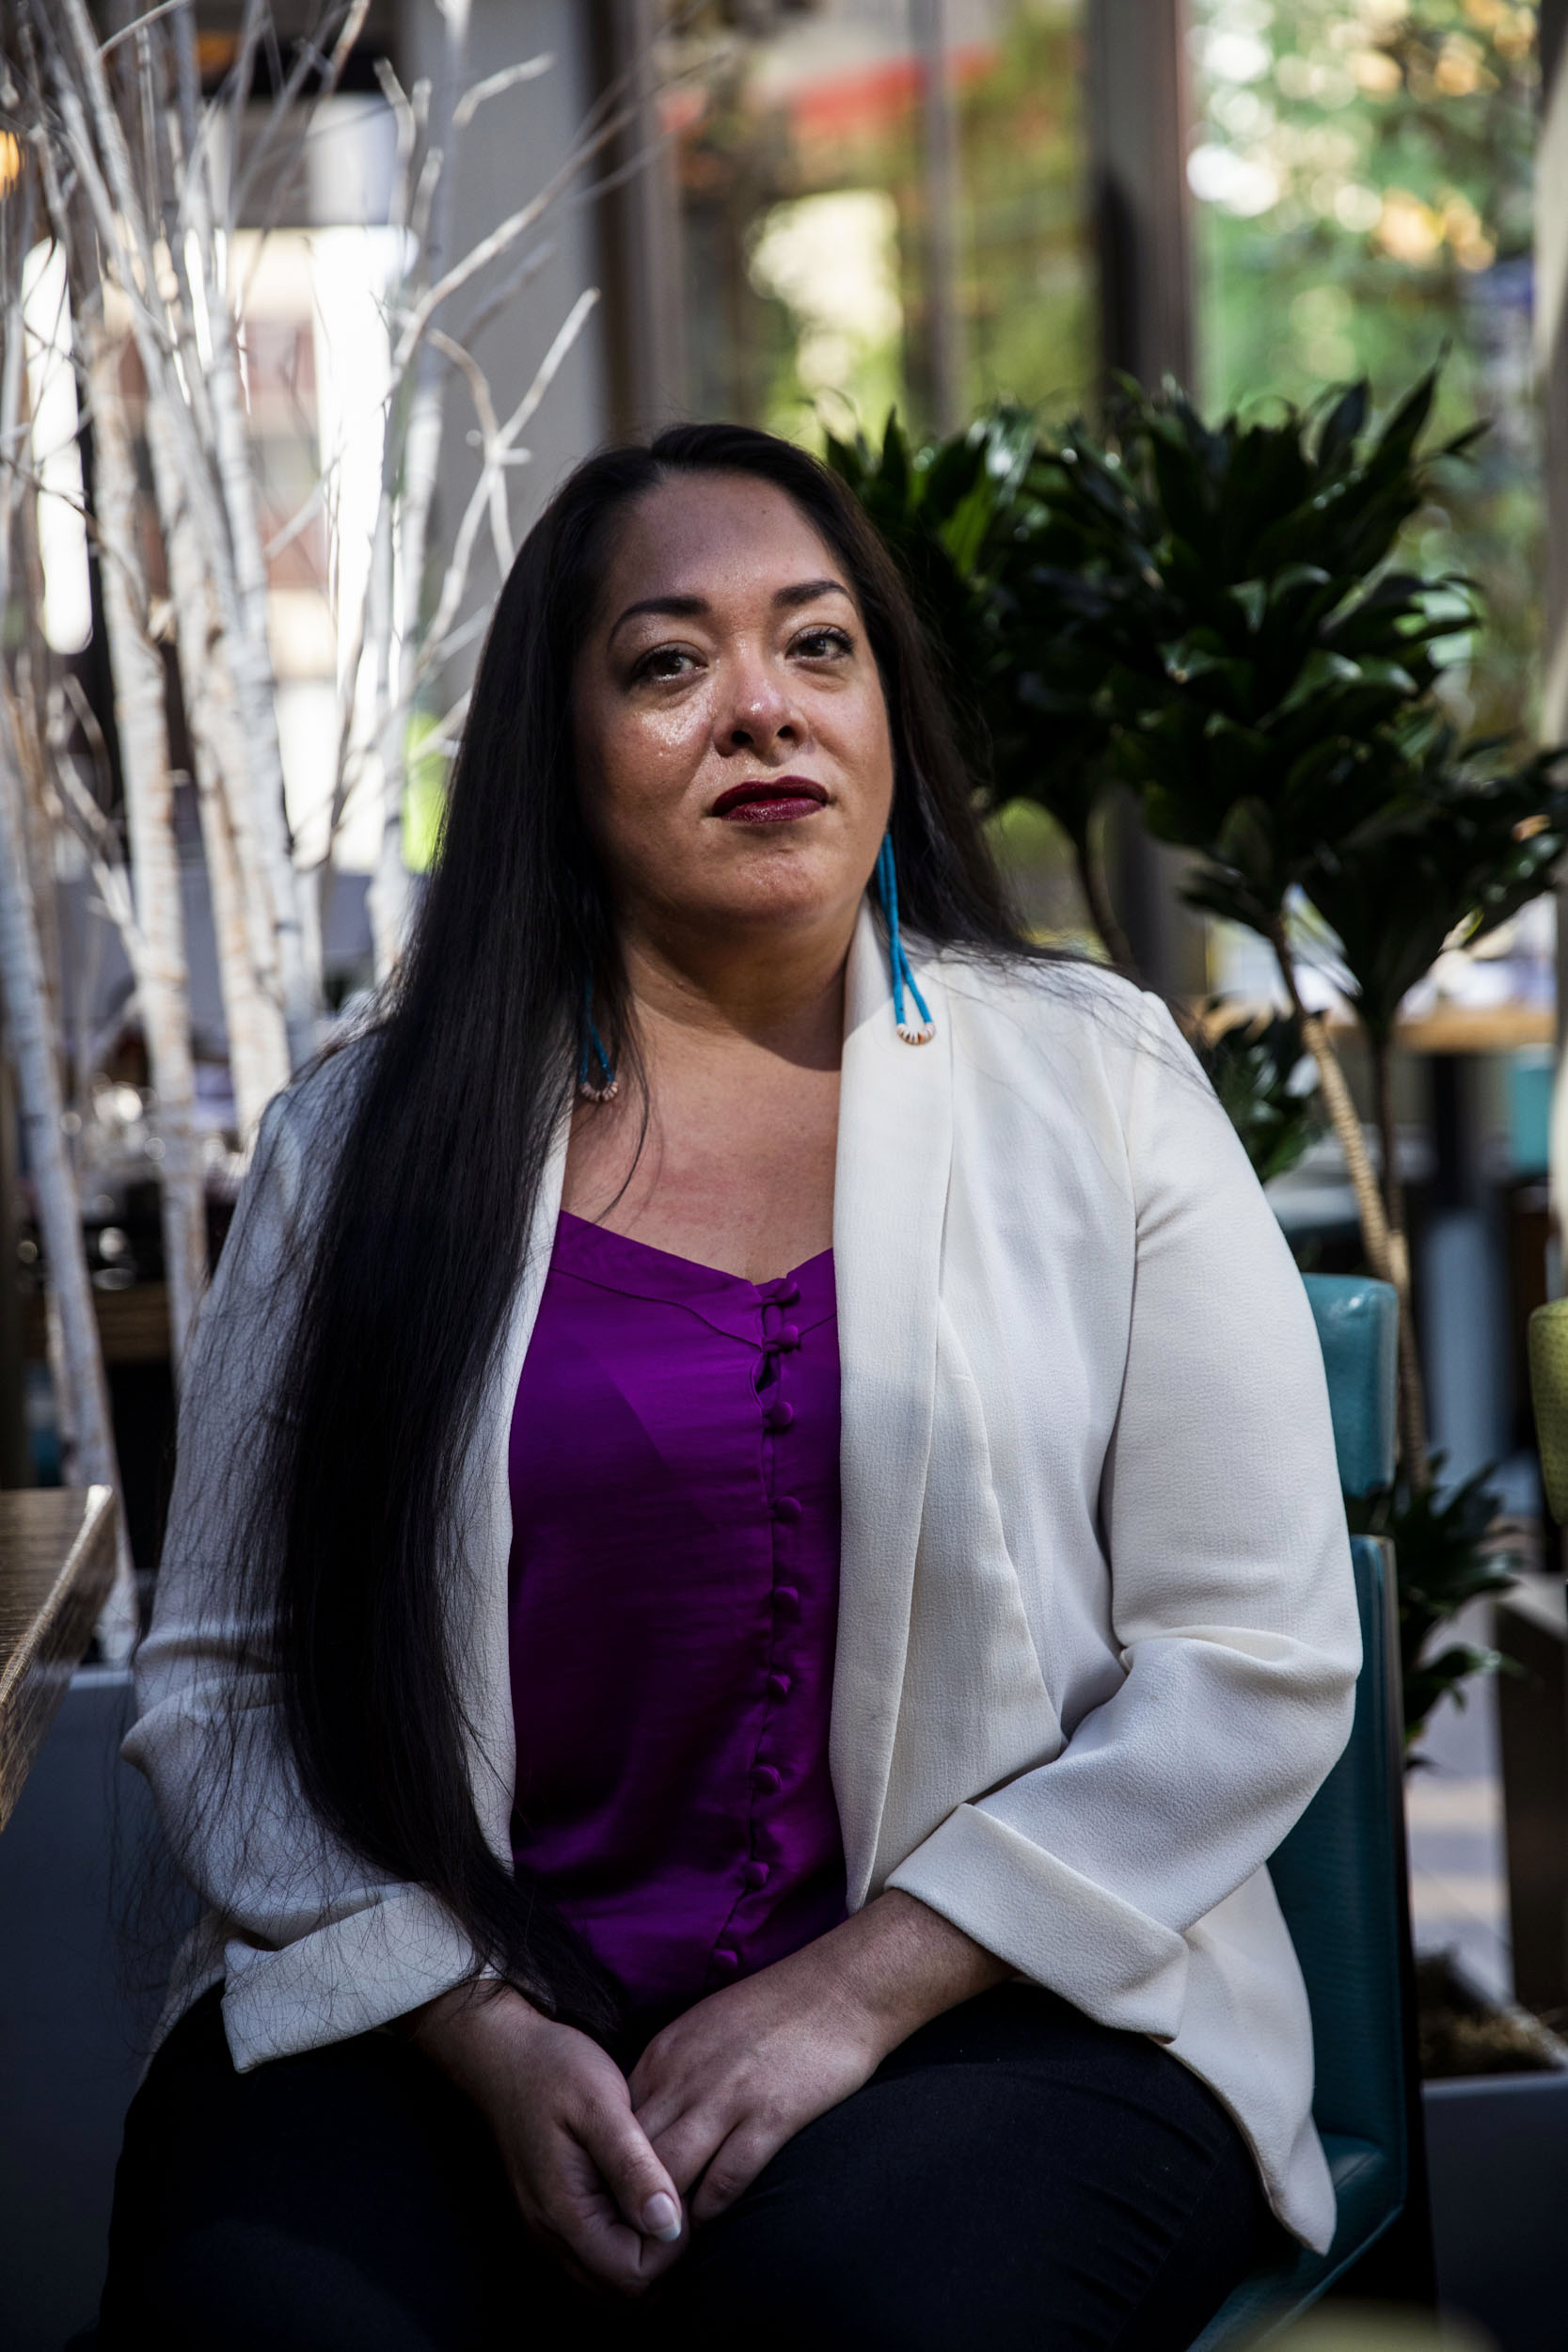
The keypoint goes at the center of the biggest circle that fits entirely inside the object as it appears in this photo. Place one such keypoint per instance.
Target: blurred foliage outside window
(1363, 172)
(801, 155)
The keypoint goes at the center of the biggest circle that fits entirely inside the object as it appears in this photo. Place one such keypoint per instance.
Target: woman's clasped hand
(586, 2182)
(614, 2174)
(721, 2089)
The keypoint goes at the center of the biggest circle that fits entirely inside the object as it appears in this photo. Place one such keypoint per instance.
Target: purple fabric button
(779, 1686)
(726, 1960)
(787, 1509)
(786, 1600)
(779, 1415)
(788, 1337)
(755, 1874)
(764, 1778)
(787, 1294)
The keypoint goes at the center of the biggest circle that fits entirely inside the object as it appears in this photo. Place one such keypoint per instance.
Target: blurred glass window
(806, 182)
(1363, 170)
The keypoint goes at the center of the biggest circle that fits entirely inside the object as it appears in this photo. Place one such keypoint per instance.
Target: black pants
(1013, 2176)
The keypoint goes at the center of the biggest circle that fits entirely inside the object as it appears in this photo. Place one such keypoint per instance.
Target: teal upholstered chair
(1340, 1875)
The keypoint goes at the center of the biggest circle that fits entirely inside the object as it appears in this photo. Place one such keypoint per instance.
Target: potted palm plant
(1218, 617)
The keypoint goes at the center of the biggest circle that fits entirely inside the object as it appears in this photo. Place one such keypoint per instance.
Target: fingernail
(662, 2219)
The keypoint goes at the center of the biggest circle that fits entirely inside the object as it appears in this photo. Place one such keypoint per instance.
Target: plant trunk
(1382, 1217)
(42, 1109)
(195, 531)
(1413, 1419)
(250, 655)
(258, 1042)
(1344, 1121)
(387, 899)
(255, 688)
(142, 720)
(415, 461)
(1103, 913)
(76, 1354)
(157, 951)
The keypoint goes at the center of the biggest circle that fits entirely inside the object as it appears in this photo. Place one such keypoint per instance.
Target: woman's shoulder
(1066, 1036)
(304, 1124)
(1053, 1000)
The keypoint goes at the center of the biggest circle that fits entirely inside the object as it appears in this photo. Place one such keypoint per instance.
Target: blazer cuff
(396, 1953)
(1113, 1961)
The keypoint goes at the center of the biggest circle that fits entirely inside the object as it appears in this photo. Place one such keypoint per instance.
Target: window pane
(1363, 170)
(806, 183)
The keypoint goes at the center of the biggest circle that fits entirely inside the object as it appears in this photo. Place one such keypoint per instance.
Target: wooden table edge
(80, 1588)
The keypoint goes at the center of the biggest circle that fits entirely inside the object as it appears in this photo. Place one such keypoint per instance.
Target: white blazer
(1097, 1638)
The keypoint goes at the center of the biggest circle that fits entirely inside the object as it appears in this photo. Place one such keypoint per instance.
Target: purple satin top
(673, 1606)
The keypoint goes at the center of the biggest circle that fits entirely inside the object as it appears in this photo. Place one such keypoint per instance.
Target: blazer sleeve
(317, 1945)
(1231, 1598)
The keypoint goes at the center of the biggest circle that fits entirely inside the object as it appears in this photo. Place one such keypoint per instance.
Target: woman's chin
(778, 900)
(769, 879)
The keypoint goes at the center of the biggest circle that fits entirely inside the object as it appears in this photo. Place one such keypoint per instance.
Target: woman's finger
(733, 2167)
(646, 2196)
(657, 2110)
(575, 2211)
(689, 2142)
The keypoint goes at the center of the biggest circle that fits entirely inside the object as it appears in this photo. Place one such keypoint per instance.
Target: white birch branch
(491, 477)
(390, 896)
(202, 585)
(493, 85)
(252, 1008)
(83, 1390)
(249, 655)
(286, 104)
(155, 934)
(499, 240)
(489, 428)
(511, 285)
(138, 24)
(141, 723)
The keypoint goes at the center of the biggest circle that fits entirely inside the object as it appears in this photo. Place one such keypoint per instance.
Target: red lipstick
(770, 801)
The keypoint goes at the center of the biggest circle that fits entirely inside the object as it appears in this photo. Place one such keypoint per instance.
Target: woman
(756, 1567)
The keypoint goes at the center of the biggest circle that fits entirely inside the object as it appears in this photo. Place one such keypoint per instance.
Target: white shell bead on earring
(912, 1031)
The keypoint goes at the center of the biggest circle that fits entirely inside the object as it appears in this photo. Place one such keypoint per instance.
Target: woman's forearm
(903, 1963)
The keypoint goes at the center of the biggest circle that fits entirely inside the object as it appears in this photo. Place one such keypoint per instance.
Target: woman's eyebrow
(693, 608)
(678, 608)
(807, 592)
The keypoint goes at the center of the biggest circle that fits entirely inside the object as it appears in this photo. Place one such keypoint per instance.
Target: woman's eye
(665, 662)
(817, 643)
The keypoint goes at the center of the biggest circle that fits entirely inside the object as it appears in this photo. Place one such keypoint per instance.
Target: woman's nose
(761, 716)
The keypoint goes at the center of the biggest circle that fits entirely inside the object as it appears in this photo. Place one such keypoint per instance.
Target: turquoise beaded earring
(605, 1088)
(912, 1032)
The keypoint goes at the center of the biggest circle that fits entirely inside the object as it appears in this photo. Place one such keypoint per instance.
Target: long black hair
(426, 1215)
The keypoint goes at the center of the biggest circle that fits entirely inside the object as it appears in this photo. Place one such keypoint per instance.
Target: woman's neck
(728, 1158)
(781, 994)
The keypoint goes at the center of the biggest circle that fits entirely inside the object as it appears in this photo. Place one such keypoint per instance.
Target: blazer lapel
(479, 1627)
(894, 1157)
